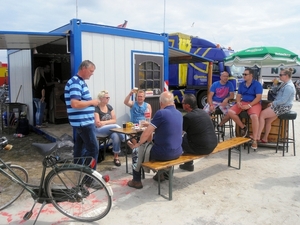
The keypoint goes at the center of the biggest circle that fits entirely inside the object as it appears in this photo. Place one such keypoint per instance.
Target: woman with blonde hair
(105, 119)
(39, 84)
(282, 103)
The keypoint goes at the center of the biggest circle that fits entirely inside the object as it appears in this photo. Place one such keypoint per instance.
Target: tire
(72, 196)
(202, 99)
(10, 191)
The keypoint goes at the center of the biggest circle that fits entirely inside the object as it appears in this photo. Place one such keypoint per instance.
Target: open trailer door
(26, 51)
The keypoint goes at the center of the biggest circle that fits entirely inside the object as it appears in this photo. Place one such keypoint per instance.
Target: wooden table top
(128, 131)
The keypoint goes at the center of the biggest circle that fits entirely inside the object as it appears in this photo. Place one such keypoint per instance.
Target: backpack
(22, 126)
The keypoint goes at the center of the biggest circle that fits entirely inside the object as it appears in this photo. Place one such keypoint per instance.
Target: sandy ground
(265, 191)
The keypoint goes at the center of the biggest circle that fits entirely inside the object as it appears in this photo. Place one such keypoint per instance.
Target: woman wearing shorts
(281, 105)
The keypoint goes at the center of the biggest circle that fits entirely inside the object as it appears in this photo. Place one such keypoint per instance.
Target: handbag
(272, 95)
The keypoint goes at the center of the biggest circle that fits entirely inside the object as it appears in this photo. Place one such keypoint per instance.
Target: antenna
(164, 16)
(76, 10)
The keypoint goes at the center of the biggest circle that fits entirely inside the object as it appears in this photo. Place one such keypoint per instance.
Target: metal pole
(164, 16)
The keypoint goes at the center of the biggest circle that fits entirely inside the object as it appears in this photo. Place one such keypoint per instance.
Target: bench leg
(171, 172)
(158, 180)
(239, 151)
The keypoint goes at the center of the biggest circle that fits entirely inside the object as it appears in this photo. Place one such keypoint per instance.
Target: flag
(123, 25)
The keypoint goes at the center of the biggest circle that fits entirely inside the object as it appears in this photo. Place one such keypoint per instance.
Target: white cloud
(234, 23)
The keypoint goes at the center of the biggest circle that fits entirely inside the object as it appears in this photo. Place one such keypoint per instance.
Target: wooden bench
(159, 166)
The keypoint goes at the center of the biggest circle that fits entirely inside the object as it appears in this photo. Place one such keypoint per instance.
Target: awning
(28, 40)
(177, 56)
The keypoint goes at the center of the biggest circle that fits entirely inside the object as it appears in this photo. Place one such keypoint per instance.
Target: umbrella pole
(209, 78)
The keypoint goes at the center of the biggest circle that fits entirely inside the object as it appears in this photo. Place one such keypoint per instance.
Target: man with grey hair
(167, 125)
(199, 135)
(80, 109)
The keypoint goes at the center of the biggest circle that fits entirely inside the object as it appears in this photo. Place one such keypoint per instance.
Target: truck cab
(192, 78)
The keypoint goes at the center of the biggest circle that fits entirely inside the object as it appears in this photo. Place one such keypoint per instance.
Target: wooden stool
(284, 128)
(104, 141)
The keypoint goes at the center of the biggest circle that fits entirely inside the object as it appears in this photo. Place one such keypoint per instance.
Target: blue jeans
(86, 143)
(116, 137)
(40, 108)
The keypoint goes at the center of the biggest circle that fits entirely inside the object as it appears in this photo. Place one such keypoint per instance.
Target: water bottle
(18, 135)
(147, 115)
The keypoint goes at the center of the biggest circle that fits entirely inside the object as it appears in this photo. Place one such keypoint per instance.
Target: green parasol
(263, 57)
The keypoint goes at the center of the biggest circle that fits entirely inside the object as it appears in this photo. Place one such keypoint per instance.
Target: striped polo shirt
(76, 88)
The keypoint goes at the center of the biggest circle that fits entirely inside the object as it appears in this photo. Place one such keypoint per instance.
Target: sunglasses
(245, 74)
(107, 97)
(282, 75)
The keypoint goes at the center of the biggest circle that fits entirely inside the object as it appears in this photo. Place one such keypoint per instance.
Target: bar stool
(217, 117)
(102, 141)
(244, 115)
(218, 114)
(284, 126)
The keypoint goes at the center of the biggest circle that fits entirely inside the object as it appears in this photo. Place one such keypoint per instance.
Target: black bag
(271, 95)
(23, 126)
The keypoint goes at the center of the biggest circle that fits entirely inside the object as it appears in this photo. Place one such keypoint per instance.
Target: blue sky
(231, 23)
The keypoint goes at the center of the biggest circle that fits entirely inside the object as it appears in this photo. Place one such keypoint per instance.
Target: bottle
(147, 115)
(19, 135)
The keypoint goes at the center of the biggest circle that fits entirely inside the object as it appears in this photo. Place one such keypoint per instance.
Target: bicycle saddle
(45, 149)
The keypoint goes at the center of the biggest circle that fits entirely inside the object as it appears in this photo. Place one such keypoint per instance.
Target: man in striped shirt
(80, 109)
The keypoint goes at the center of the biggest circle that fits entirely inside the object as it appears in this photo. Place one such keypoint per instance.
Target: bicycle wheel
(10, 190)
(79, 193)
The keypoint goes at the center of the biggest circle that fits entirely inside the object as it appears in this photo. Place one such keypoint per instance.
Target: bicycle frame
(30, 187)
(15, 177)
(70, 181)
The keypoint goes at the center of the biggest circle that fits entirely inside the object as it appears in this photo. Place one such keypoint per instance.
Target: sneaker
(244, 131)
(254, 145)
(135, 184)
(187, 167)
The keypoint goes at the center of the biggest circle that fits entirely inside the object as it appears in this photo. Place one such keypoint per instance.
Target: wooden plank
(159, 165)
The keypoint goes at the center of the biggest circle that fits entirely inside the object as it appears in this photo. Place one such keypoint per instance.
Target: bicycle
(71, 186)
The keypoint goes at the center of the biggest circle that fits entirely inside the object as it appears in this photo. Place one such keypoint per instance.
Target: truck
(191, 78)
(269, 73)
(3, 73)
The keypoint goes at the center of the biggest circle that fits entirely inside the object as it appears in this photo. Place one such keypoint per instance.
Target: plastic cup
(129, 124)
(141, 122)
(135, 90)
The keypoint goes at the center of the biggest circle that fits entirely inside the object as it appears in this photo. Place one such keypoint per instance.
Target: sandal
(117, 162)
(262, 141)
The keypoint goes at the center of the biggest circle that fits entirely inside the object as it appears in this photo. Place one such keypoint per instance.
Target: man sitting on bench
(200, 137)
(167, 124)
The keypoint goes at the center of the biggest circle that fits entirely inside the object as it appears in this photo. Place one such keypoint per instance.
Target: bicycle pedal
(27, 215)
